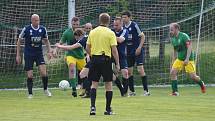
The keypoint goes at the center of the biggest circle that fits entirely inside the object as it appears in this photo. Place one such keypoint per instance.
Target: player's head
(174, 29)
(78, 33)
(75, 22)
(126, 16)
(88, 27)
(117, 24)
(104, 19)
(35, 20)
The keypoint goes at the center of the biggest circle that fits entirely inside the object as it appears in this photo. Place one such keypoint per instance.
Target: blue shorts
(123, 62)
(132, 59)
(29, 61)
(88, 65)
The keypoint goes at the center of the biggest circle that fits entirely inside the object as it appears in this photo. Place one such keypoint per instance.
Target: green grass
(191, 105)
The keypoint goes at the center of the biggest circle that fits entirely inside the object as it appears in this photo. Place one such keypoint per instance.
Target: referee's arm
(115, 55)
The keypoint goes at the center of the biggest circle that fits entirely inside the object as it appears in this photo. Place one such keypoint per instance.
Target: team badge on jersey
(31, 32)
(40, 30)
(129, 29)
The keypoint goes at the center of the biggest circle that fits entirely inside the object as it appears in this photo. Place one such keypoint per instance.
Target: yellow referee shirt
(101, 39)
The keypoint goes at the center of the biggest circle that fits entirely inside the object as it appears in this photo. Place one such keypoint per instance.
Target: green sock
(73, 84)
(174, 86)
(200, 83)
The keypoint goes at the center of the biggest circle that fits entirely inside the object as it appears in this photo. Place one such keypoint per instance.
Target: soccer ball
(64, 84)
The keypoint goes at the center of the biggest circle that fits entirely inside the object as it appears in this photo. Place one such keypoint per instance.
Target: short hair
(79, 32)
(118, 18)
(75, 19)
(176, 25)
(104, 18)
(127, 13)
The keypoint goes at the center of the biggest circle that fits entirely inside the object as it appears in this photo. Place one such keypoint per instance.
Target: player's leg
(177, 66)
(139, 61)
(43, 73)
(94, 75)
(71, 62)
(125, 80)
(86, 83)
(80, 65)
(107, 74)
(118, 84)
(29, 61)
(40, 62)
(131, 61)
(190, 68)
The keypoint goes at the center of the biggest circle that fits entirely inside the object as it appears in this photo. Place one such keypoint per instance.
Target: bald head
(88, 27)
(104, 19)
(35, 20)
(174, 29)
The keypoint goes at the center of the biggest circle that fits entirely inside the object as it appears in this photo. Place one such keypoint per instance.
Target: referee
(101, 44)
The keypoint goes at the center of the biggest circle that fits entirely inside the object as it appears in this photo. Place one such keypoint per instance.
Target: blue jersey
(133, 37)
(121, 47)
(33, 39)
(83, 41)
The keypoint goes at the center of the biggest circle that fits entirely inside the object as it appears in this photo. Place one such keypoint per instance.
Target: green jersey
(179, 44)
(69, 39)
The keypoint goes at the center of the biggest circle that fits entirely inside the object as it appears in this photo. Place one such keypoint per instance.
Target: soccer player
(34, 35)
(183, 57)
(74, 58)
(122, 37)
(84, 72)
(135, 52)
(101, 43)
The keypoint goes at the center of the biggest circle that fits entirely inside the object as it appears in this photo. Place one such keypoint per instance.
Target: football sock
(200, 83)
(119, 85)
(73, 84)
(125, 85)
(131, 83)
(174, 86)
(30, 85)
(109, 95)
(145, 83)
(93, 97)
(45, 82)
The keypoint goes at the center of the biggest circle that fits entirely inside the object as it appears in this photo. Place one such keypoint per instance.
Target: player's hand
(138, 51)
(186, 61)
(18, 59)
(88, 58)
(54, 53)
(57, 45)
(117, 68)
(50, 54)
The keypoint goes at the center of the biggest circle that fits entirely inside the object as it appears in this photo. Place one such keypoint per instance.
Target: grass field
(191, 105)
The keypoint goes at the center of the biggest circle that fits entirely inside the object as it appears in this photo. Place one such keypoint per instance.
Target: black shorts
(132, 59)
(100, 66)
(29, 61)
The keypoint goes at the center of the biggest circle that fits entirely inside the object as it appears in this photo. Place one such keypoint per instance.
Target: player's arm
(115, 55)
(189, 50)
(174, 56)
(142, 40)
(18, 48)
(88, 49)
(68, 47)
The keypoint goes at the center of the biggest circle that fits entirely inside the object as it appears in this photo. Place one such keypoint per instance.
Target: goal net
(152, 16)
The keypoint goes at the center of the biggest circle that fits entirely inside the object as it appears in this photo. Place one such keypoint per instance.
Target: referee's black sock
(30, 85)
(45, 82)
(93, 97)
(125, 85)
(145, 83)
(131, 83)
(119, 85)
(109, 95)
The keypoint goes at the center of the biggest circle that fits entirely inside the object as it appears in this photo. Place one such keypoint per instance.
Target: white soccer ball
(64, 84)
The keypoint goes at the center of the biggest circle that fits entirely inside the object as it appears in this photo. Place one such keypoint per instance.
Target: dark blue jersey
(33, 39)
(121, 47)
(83, 41)
(134, 33)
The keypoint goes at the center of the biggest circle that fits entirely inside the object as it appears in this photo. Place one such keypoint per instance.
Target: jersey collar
(128, 24)
(35, 28)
